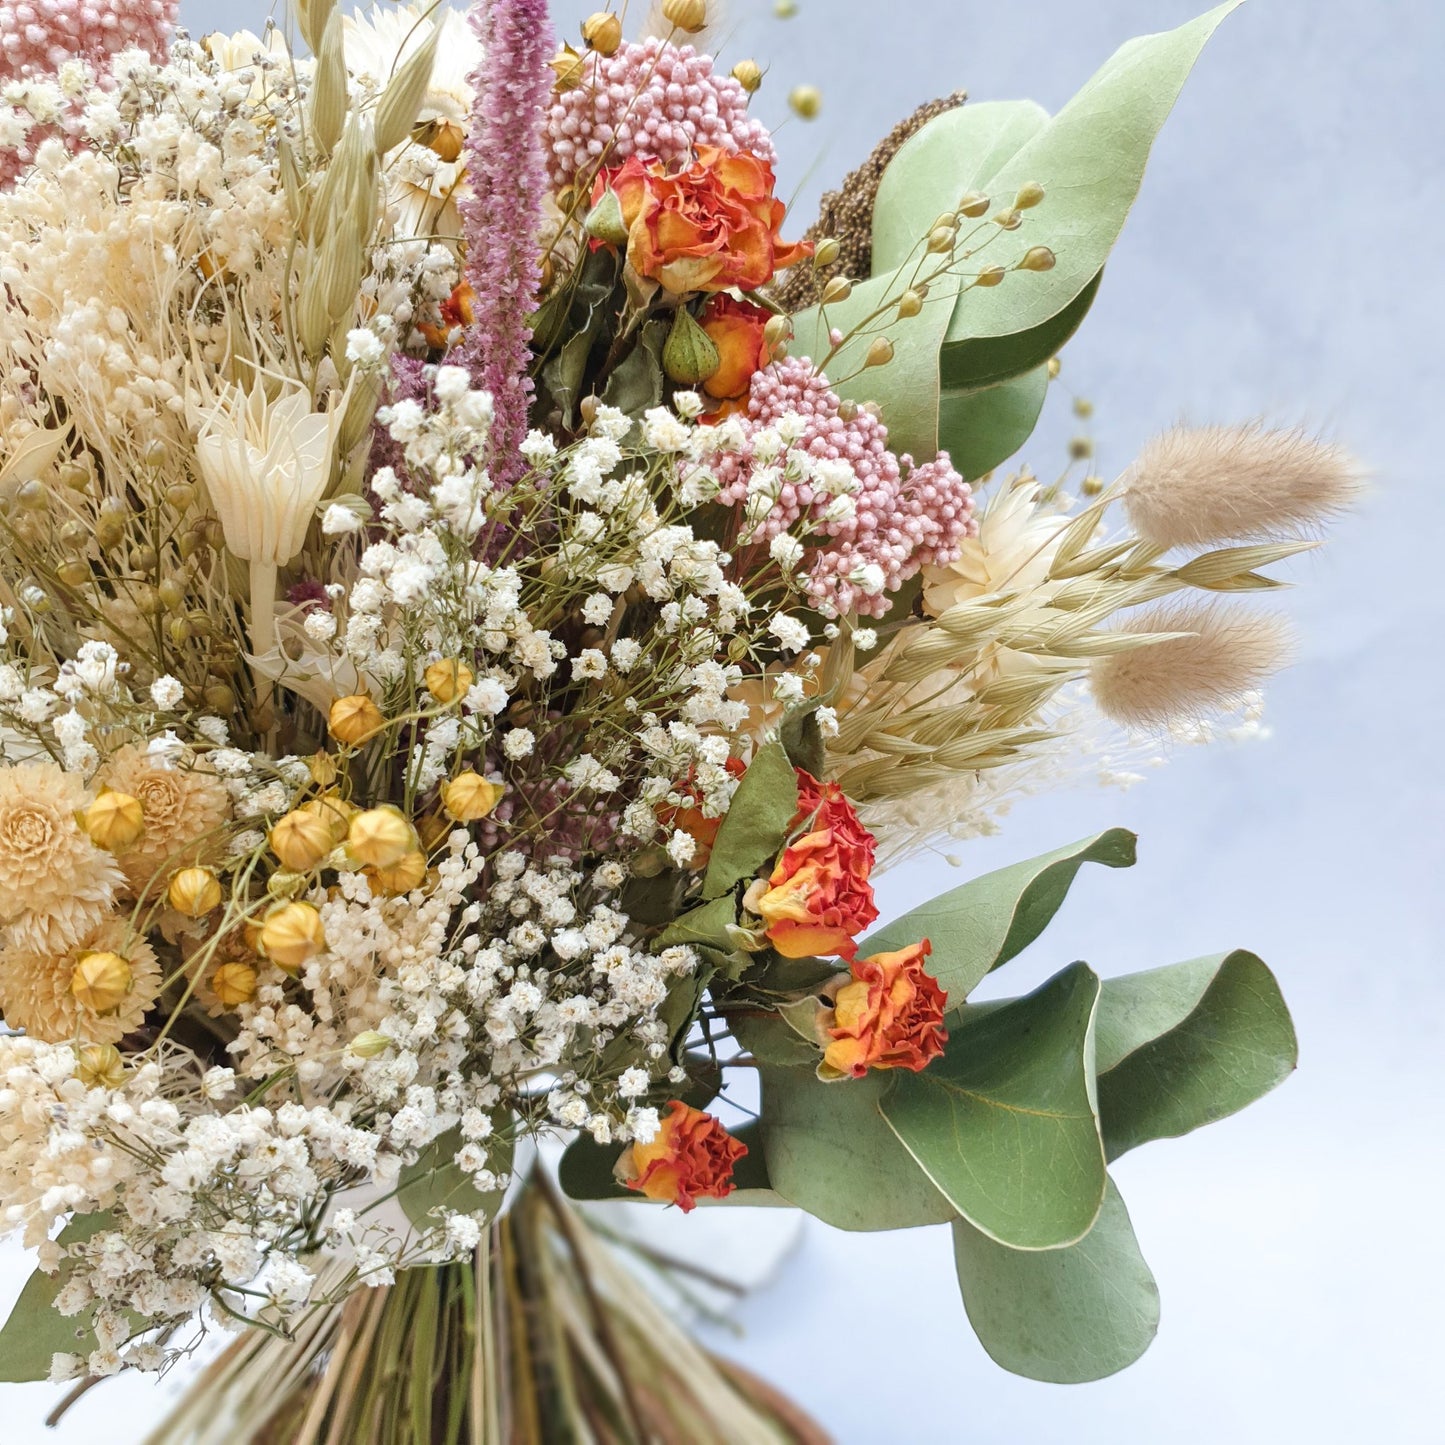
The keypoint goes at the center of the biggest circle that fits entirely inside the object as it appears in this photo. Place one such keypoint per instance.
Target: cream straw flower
(54, 882)
(36, 993)
(381, 40)
(266, 464)
(1013, 552)
(184, 808)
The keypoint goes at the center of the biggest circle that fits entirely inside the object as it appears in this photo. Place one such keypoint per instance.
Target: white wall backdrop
(1283, 262)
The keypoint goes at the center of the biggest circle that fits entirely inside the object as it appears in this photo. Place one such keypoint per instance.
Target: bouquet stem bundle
(546, 1336)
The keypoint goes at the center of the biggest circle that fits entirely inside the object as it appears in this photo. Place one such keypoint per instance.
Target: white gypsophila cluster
(507, 995)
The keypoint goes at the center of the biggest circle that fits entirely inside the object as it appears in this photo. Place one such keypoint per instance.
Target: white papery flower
(265, 465)
(1013, 551)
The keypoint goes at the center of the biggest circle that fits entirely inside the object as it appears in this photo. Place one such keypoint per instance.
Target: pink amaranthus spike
(502, 217)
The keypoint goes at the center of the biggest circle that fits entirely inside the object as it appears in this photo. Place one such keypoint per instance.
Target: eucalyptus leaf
(1184, 1046)
(980, 429)
(757, 822)
(982, 924)
(1090, 160)
(435, 1181)
(1062, 1315)
(906, 389)
(34, 1330)
(830, 1152)
(939, 164)
(966, 366)
(1004, 1123)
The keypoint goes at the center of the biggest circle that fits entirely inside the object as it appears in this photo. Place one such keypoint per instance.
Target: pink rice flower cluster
(906, 517)
(502, 216)
(655, 100)
(37, 37)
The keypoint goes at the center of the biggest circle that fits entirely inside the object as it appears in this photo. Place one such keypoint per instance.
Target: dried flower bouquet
(480, 606)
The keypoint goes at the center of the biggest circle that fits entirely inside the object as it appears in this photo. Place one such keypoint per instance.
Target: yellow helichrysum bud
(1091, 486)
(749, 75)
(785, 9)
(1029, 196)
(101, 982)
(195, 892)
(603, 32)
(689, 15)
(323, 769)
(990, 276)
(115, 821)
(910, 304)
(826, 252)
(973, 205)
(567, 67)
(840, 288)
(354, 720)
(806, 101)
(379, 837)
(369, 1045)
(470, 797)
(332, 810)
(778, 331)
(449, 680)
(880, 353)
(1038, 258)
(302, 840)
(433, 830)
(292, 935)
(1055, 367)
(99, 1066)
(408, 872)
(234, 984)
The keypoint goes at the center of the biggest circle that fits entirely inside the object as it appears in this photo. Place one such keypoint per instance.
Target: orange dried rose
(818, 898)
(692, 1157)
(710, 227)
(457, 311)
(889, 1017)
(736, 328)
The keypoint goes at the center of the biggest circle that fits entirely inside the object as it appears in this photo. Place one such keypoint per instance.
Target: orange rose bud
(691, 1158)
(889, 1017)
(738, 330)
(819, 899)
(710, 227)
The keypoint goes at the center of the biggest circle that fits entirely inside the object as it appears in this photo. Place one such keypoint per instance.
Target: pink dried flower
(502, 217)
(905, 517)
(37, 37)
(654, 100)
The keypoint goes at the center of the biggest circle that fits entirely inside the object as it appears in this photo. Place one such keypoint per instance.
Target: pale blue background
(1285, 262)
